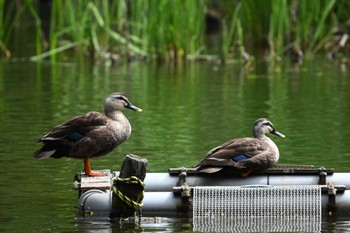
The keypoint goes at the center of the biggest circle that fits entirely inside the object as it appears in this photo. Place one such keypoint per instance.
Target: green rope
(130, 180)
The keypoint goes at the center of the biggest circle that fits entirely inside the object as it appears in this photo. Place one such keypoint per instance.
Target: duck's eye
(121, 98)
(268, 124)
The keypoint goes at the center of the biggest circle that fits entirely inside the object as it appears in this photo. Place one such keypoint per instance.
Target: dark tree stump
(128, 187)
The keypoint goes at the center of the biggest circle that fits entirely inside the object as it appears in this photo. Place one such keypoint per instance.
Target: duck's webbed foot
(88, 171)
(245, 174)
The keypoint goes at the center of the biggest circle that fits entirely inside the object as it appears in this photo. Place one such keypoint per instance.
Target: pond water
(188, 109)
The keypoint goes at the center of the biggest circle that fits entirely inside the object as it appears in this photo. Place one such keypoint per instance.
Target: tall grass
(287, 24)
(232, 43)
(174, 30)
(10, 15)
(130, 28)
(6, 25)
(168, 29)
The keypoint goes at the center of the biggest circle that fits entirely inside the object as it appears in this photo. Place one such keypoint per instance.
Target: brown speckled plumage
(255, 153)
(90, 135)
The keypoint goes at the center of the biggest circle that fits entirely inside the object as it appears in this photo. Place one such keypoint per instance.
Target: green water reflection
(187, 110)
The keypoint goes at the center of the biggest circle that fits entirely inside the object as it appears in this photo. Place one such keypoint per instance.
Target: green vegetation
(175, 30)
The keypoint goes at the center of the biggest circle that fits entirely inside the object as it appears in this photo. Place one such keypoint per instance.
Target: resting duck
(91, 135)
(244, 154)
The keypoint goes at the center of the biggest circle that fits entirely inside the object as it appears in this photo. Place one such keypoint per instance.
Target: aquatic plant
(174, 30)
(291, 27)
(168, 29)
(6, 23)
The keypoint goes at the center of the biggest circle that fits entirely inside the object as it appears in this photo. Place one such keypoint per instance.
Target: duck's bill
(275, 132)
(132, 107)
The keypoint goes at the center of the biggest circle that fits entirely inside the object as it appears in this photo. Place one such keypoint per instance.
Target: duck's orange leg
(88, 171)
(245, 174)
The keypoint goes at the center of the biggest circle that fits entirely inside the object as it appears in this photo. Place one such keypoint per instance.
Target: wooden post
(128, 187)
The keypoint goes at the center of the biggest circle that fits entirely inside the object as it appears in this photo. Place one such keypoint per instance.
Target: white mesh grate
(257, 208)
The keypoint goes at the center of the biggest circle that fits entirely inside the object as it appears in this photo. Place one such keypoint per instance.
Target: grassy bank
(177, 30)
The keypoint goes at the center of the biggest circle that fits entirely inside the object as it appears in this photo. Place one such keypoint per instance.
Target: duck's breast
(274, 148)
(119, 130)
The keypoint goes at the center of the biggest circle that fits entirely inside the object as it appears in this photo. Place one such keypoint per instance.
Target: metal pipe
(99, 203)
(162, 182)
(95, 203)
(159, 198)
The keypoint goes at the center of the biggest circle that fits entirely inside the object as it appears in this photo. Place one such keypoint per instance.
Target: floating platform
(170, 194)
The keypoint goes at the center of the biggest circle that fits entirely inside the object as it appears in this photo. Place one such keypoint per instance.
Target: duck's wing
(77, 127)
(61, 140)
(227, 144)
(232, 154)
(263, 157)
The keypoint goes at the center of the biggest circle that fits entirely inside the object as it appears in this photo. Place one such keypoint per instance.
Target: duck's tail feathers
(43, 154)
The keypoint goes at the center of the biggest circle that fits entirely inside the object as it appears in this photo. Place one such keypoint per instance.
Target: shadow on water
(187, 111)
(145, 224)
(339, 223)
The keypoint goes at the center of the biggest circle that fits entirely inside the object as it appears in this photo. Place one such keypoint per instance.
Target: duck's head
(263, 126)
(118, 101)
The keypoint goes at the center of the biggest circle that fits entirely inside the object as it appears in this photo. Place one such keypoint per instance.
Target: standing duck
(91, 135)
(244, 154)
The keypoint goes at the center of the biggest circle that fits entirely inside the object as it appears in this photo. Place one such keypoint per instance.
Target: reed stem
(174, 30)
